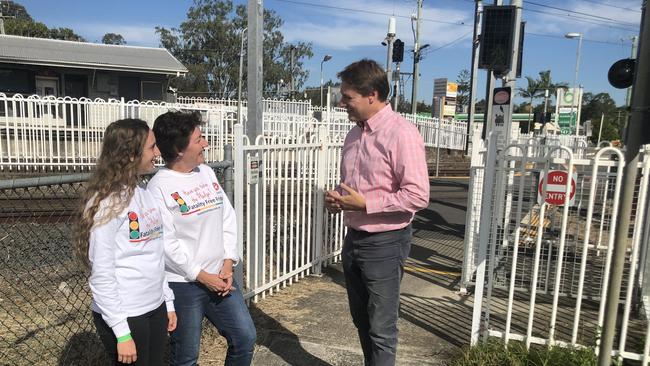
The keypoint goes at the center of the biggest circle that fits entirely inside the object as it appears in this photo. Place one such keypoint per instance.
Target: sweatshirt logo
(181, 202)
(216, 186)
(134, 226)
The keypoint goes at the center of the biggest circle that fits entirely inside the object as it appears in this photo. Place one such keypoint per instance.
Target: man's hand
(353, 201)
(331, 202)
(212, 281)
(226, 275)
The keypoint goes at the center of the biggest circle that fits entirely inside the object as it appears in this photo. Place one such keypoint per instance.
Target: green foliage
(463, 81)
(208, 43)
(495, 353)
(113, 38)
(20, 23)
(601, 105)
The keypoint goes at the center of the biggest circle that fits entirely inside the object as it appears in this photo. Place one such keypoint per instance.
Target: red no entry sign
(556, 186)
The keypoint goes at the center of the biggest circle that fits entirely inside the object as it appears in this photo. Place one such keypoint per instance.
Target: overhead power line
(610, 5)
(584, 39)
(602, 22)
(578, 12)
(462, 23)
(585, 20)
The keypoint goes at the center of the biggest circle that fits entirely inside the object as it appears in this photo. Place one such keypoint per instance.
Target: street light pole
(416, 60)
(388, 42)
(241, 75)
(325, 59)
(574, 35)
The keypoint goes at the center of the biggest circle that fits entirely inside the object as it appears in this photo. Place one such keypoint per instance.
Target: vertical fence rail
(542, 265)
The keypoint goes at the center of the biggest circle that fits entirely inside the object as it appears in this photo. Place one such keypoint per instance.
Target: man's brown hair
(365, 76)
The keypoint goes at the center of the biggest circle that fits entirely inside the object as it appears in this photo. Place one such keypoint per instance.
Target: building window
(16, 81)
(46, 86)
(152, 90)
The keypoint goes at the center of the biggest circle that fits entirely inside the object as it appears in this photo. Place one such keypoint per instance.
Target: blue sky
(349, 30)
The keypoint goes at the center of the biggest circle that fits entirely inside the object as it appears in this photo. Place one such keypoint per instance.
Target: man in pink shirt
(384, 181)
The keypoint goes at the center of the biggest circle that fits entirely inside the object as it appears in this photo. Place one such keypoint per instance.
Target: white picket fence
(47, 133)
(282, 224)
(541, 270)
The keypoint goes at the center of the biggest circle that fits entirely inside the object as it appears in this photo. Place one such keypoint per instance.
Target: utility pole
(390, 39)
(397, 79)
(416, 60)
(240, 118)
(635, 44)
(478, 10)
(636, 135)
(291, 71)
(254, 126)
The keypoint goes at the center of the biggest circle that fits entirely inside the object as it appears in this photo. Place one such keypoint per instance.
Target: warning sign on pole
(556, 186)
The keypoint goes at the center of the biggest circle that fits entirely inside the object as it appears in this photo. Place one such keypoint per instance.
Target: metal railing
(541, 251)
(280, 206)
(63, 134)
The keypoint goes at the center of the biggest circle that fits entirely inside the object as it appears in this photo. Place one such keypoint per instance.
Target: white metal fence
(47, 133)
(279, 198)
(542, 270)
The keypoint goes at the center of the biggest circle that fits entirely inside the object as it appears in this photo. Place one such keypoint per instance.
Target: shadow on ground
(281, 341)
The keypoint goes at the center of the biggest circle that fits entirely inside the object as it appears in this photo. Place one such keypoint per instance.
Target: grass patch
(495, 353)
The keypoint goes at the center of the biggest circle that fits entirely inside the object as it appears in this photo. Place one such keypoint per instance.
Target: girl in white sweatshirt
(120, 236)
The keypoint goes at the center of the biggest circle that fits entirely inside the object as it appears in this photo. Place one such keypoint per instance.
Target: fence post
(321, 179)
(238, 167)
(122, 108)
(484, 235)
(228, 172)
(438, 147)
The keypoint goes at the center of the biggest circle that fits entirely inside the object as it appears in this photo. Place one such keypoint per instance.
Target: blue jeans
(373, 265)
(228, 314)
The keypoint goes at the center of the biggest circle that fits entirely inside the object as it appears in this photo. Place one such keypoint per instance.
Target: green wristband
(124, 338)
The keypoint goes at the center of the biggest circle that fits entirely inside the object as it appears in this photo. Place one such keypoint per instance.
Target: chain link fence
(45, 316)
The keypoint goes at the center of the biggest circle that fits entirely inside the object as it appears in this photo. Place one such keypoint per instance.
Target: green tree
(531, 92)
(545, 82)
(463, 81)
(20, 23)
(208, 44)
(113, 38)
(597, 106)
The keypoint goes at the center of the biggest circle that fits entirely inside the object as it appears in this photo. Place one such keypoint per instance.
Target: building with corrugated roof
(79, 69)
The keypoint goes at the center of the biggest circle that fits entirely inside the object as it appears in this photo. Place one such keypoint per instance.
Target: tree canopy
(463, 81)
(601, 105)
(113, 38)
(18, 22)
(208, 44)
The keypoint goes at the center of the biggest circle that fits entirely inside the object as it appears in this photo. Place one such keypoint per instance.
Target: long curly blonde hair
(115, 178)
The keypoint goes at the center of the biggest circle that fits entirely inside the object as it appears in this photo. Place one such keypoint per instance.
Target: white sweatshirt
(199, 223)
(127, 259)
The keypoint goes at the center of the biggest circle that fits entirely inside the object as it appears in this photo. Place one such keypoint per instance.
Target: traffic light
(398, 51)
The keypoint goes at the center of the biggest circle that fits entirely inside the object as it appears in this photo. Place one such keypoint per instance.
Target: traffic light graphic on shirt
(134, 226)
(181, 202)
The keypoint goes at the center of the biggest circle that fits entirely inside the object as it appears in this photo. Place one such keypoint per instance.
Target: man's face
(358, 106)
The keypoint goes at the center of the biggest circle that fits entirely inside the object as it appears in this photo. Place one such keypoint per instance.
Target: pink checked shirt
(385, 162)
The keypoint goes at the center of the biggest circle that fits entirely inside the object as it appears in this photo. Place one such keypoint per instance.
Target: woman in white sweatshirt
(200, 244)
(119, 235)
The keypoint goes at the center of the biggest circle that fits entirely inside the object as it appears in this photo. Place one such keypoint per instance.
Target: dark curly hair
(173, 131)
(115, 178)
